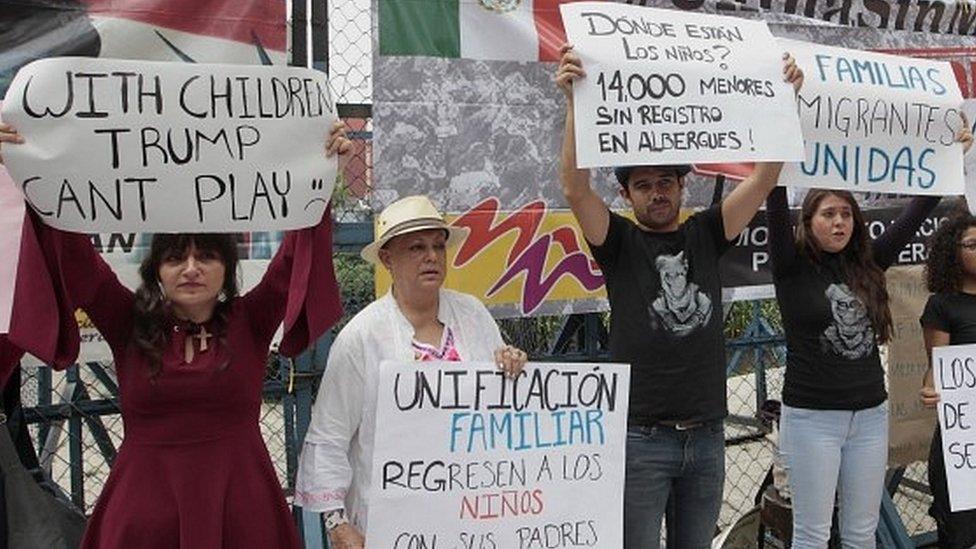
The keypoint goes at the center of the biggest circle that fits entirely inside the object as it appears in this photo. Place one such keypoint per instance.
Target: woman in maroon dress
(190, 355)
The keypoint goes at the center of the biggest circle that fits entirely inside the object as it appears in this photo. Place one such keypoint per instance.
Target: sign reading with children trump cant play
(465, 457)
(115, 145)
(665, 86)
(877, 122)
(954, 369)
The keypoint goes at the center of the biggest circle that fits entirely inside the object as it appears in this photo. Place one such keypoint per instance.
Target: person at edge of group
(949, 318)
(830, 286)
(417, 320)
(662, 279)
(190, 354)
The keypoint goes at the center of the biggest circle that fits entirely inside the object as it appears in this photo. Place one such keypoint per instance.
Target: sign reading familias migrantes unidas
(877, 122)
(117, 145)
(954, 369)
(664, 86)
(489, 461)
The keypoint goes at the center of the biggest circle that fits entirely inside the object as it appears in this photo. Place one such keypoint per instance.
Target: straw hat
(409, 215)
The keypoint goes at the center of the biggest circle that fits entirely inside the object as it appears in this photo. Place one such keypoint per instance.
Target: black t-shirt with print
(666, 316)
(954, 314)
(832, 354)
(832, 360)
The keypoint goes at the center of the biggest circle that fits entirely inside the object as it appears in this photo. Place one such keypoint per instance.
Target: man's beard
(662, 220)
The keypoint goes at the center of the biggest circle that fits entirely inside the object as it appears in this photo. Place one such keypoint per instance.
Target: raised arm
(782, 246)
(299, 286)
(900, 232)
(59, 272)
(589, 209)
(743, 202)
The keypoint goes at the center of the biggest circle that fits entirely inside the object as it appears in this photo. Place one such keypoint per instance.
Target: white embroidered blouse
(336, 461)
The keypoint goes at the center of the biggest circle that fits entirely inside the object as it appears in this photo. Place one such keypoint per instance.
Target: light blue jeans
(835, 451)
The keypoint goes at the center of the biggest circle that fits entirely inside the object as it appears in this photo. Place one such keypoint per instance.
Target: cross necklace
(203, 335)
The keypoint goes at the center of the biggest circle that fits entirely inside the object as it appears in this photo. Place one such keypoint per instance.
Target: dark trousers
(685, 467)
(956, 530)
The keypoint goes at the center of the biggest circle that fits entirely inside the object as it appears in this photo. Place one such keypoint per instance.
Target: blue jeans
(831, 451)
(687, 466)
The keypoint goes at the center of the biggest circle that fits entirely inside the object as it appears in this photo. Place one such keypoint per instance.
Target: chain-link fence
(73, 413)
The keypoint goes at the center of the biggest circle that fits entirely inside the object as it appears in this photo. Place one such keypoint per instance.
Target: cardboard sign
(124, 146)
(910, 423)
(955, 379)
(665, 86)
(465, 457)
(877, 122)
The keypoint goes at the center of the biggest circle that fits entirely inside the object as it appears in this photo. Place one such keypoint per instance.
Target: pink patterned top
(423, 352)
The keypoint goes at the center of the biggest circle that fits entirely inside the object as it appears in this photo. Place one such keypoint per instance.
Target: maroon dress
(192, 470)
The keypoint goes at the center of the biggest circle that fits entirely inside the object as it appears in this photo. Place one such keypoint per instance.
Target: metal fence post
(75, 448)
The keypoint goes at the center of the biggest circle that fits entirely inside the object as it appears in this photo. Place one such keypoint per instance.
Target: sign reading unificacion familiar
(465, 457)
(665, 86)
(117, 145)
(877, 122)
(954, 369)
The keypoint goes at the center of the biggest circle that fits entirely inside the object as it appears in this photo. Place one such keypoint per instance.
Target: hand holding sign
(929, 396)
(511, 360)
(8, 135)
(135, 146)
(570, 69)
(346, 536)
(965, 134)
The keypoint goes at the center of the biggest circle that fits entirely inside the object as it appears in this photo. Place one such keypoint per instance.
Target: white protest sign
(117, 145)
(464, 457)
(665, 86)
(876, 122)
(11, 224)
(955, 380)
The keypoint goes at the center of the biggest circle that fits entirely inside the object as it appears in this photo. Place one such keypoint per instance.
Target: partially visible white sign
(665, 86)
(116, 145)
(877, 122)
(955, 380)
(11, 224)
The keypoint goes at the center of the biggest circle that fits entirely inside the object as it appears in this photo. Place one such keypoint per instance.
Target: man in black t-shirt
(662, 280)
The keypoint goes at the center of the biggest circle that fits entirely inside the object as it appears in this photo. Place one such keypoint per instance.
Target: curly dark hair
(152, 316)
(943, 269)
(860, 272)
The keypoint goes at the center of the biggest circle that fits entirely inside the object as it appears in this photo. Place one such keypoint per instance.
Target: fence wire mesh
(749, 453)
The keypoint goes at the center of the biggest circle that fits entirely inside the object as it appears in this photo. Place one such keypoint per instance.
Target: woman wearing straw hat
(416, 320)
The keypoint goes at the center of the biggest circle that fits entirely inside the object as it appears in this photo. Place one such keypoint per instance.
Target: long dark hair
(152, 316)
(943, 270)
(861, 274)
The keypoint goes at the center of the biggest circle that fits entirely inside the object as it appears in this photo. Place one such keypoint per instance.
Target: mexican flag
(506, 30)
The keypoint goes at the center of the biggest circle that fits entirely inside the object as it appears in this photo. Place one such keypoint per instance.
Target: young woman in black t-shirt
(831, 291)
(949, 319)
